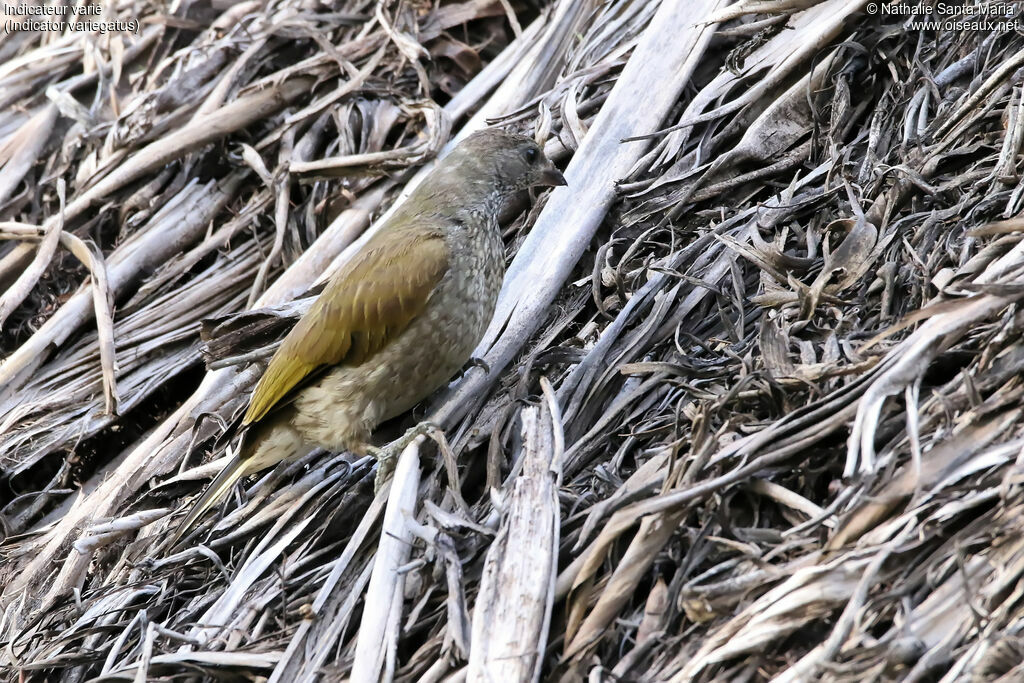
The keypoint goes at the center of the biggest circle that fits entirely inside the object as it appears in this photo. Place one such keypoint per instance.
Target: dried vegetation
(752, 406)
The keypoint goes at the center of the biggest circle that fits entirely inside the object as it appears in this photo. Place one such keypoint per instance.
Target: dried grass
(750, 407)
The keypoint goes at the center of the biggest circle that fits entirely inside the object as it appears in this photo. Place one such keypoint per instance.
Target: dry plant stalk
(775, 319)
(511, 620)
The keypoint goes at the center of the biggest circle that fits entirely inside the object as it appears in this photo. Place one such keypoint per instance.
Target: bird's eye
(530, 154)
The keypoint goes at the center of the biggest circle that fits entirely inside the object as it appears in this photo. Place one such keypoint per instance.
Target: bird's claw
(475, 362)
(386, 461)
(387, 457)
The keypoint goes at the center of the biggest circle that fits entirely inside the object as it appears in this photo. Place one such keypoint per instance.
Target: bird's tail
(267, 444)
(218, 488)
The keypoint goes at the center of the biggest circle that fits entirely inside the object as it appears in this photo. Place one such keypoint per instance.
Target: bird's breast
(468, 293)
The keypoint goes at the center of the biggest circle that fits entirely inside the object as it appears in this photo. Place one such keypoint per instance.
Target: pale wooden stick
(658, 70)
(182, 224)
(201, 131)
(102, 300)
(158, 453)
(314, 639)
(26, 145)
(382, 605)
(517, 589)
(28, 279)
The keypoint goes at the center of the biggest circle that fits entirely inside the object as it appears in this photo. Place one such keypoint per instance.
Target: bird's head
(508, 161)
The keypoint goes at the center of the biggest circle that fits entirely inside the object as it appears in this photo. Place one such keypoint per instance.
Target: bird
(396, 322)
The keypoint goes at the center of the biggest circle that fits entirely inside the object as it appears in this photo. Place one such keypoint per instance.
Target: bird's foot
(475, 362)
(387, 457)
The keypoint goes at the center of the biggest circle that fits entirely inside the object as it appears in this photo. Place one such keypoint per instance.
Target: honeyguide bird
(396, 322)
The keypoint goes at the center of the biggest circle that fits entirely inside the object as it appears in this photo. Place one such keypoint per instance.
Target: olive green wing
(365, 305)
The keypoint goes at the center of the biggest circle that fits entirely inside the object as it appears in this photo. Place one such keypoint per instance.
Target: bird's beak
(551, 176)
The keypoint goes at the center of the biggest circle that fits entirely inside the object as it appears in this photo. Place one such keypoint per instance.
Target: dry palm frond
(750, 407)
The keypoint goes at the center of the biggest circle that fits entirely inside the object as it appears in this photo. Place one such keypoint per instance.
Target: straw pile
(750, 407)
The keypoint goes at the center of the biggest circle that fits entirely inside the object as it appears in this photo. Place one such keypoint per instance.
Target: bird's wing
(365, 305)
